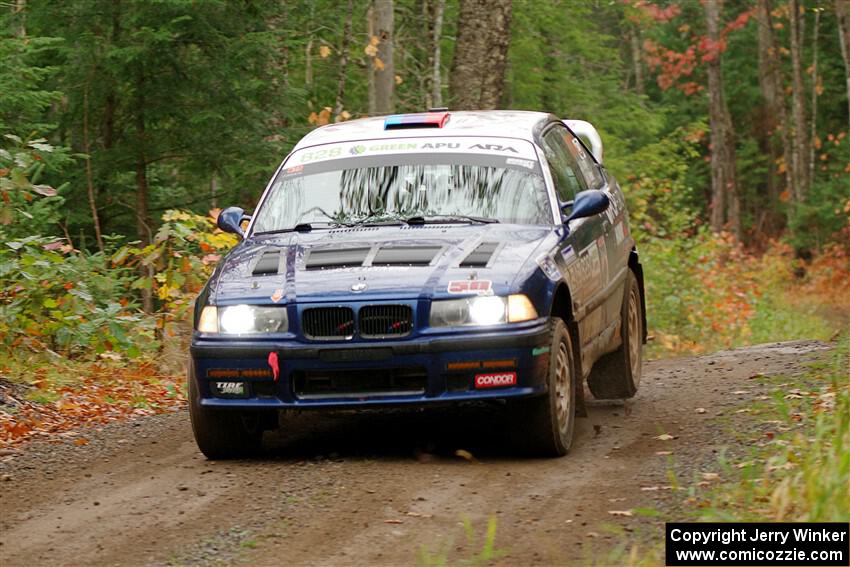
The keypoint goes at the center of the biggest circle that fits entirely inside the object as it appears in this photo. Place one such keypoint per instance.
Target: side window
(585, 162)
(563, 165)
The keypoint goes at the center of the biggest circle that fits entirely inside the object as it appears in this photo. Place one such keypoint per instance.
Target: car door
(616, 246)
(581, 254)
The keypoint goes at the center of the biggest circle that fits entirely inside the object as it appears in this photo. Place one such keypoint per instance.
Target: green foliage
(24, 97)
(27, 206)
(67, 301)
(178, 262)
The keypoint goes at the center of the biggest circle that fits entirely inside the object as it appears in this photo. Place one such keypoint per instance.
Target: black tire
(617, 375)
(543, 425)
(223, 434)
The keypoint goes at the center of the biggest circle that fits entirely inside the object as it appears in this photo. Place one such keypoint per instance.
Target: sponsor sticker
(522, 152)
(496, 380)
(481, 287)
(226, 389)
(277, 295)
(549, 267)
(619, 233)
(527, 163)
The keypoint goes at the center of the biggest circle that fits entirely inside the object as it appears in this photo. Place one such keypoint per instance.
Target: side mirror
(586, 204)
(230, 220)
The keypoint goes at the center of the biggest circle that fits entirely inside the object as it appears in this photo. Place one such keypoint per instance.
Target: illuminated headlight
(243, 320)
(489, 310)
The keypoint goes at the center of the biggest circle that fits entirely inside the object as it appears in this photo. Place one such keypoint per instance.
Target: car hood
(377, 263)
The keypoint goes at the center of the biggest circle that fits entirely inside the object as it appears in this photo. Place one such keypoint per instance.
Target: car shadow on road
(477, 431)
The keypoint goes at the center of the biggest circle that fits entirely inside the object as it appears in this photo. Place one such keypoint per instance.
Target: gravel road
(382, 488)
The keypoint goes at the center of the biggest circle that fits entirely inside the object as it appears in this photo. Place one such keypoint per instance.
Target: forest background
(126, 125)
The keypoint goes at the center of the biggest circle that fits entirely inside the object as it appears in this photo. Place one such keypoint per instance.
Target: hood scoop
(406, 255)
(480, 257)
(336, 258)
(268, 264)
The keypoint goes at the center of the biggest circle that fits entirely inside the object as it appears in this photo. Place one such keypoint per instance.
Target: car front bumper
(422, 370)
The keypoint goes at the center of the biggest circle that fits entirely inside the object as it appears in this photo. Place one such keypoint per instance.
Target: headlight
(489, 310)
(243, 320)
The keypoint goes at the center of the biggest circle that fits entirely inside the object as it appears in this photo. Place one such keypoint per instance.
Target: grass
(486, 555)
(803, 472)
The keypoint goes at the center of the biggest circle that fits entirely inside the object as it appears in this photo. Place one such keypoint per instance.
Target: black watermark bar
(758, 543)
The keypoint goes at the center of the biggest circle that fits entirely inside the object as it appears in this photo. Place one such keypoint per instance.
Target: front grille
(375, 382)
(377, 321)
(328, 323)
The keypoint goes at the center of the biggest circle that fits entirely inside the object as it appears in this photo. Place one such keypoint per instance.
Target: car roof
(484, 123)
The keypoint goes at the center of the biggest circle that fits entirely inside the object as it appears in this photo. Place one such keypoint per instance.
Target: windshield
(401, 187)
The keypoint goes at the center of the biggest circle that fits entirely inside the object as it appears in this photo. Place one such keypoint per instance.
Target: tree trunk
(634, 39)
(143, 221)
(382, 66)
(20, 12)
(776, 141)
(436, 77)
(814, 95)
(800, 148)
(842, 11)
(481, 54)
(370, 72)
(725, 206)
(343, 60)
(89, 174)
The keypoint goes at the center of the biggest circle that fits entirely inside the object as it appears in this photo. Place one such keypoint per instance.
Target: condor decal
(496, 380)
(481, 287)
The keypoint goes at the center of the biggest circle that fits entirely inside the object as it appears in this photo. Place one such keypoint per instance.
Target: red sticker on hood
(481, 287)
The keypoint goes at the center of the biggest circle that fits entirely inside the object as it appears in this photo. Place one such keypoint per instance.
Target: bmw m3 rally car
(421, 259)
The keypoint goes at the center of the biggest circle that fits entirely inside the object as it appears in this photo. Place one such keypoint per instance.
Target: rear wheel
(617, 375)
(544, 425)
(223, 434)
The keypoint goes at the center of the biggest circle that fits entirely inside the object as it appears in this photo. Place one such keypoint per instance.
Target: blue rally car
(423, 259)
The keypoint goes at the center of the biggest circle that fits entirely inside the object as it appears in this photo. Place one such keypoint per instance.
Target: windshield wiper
(424, 219)
(301, 227)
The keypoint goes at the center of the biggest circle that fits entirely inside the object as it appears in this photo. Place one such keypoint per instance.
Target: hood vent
(480, 257)
(406, 255)
(268, 263)
(334, 258)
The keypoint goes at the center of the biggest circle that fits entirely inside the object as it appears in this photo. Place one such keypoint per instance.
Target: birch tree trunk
(383, 68)
(634, 39)
(481, 54)
(436, 77)
(842, 11)
(725, 206)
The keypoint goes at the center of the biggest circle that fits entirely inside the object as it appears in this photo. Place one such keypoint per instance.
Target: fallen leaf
(465, 455)
(700, 410)
(624, 513)
(80, 441)
(393, 521)
(324, 51)
(663, 453)
(664, 437)
(710, 476)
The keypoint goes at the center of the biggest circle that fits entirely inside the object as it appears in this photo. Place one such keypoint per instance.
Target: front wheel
(617, 375)
(222, 434)
(544, 425)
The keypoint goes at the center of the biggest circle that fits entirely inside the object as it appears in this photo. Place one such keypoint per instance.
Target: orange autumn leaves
(105, 393)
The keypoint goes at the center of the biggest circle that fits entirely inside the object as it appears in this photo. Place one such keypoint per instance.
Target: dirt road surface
(383, 488)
